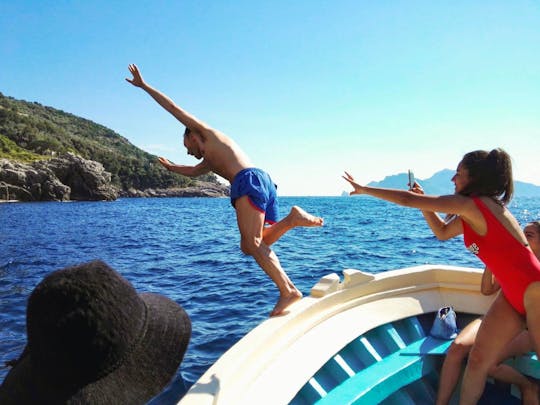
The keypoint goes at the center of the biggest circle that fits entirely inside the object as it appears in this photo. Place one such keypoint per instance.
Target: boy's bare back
(222, 154)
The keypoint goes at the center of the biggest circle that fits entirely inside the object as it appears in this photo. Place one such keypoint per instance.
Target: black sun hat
(93, 340)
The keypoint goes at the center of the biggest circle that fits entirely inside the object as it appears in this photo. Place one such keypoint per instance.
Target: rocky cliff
(71, 177)
(67, 177)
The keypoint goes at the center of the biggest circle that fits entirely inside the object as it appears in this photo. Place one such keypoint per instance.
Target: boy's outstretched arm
(181, 115)
(190, 171)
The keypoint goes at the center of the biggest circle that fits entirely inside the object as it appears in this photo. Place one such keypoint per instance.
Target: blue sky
(307, 88)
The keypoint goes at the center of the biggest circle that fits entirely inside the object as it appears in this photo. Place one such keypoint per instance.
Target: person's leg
(251, 224)
(296, 217)
(531, 301)
(520, 345)
(507, 374)
(451, 368)
(500, 325)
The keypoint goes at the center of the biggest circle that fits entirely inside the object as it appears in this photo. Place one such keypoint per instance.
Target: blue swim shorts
(261, 192)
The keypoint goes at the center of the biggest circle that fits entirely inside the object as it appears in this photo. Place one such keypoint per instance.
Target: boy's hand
(165, 162)
(137, 78)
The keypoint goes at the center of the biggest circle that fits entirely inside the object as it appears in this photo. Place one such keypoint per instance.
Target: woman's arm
(450, 204)
(489, 283)
(443, 230)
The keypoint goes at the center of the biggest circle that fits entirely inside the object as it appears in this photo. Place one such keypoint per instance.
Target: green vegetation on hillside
(10, 150)
(31, 131)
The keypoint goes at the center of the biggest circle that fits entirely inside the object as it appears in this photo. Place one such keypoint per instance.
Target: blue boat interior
(398, 363)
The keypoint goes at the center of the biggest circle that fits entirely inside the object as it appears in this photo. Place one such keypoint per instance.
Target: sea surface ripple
(188, 249)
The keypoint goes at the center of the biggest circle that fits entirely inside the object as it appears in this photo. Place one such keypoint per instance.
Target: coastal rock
(67, 177)
(22, 182)
(87, 179)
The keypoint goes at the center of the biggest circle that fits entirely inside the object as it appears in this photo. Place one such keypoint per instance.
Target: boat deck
(396, 364)
(363, 339)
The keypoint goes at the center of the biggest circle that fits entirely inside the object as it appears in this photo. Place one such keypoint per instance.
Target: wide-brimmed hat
(93, 339)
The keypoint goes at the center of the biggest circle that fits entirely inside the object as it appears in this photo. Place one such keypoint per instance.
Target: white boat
(361, 339)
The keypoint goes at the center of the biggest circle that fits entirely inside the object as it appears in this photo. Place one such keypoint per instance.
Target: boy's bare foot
(299, 217)
(284, 302)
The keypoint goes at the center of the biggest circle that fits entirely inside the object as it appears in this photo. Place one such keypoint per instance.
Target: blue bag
(444, 325)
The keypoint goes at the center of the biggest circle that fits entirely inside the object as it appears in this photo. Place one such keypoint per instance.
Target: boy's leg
(296, 217)
(251, 225)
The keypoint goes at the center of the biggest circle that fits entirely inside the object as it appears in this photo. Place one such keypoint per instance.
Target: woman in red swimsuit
(462, 344)
(483, 187)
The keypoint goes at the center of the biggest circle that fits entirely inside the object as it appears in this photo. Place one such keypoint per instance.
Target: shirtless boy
(253, 194)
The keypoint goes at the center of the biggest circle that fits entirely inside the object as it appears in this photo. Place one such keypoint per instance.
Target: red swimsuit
(513, 264)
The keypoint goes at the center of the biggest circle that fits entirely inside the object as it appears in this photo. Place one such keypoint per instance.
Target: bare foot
(529, 395)
(284, 302)
(299, 217)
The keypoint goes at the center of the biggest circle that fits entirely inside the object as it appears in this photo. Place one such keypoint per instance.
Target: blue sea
(188, 249)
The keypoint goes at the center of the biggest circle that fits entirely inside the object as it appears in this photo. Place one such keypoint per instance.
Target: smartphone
(411, 180)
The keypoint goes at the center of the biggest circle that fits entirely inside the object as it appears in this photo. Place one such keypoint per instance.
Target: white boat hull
(274, 361)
